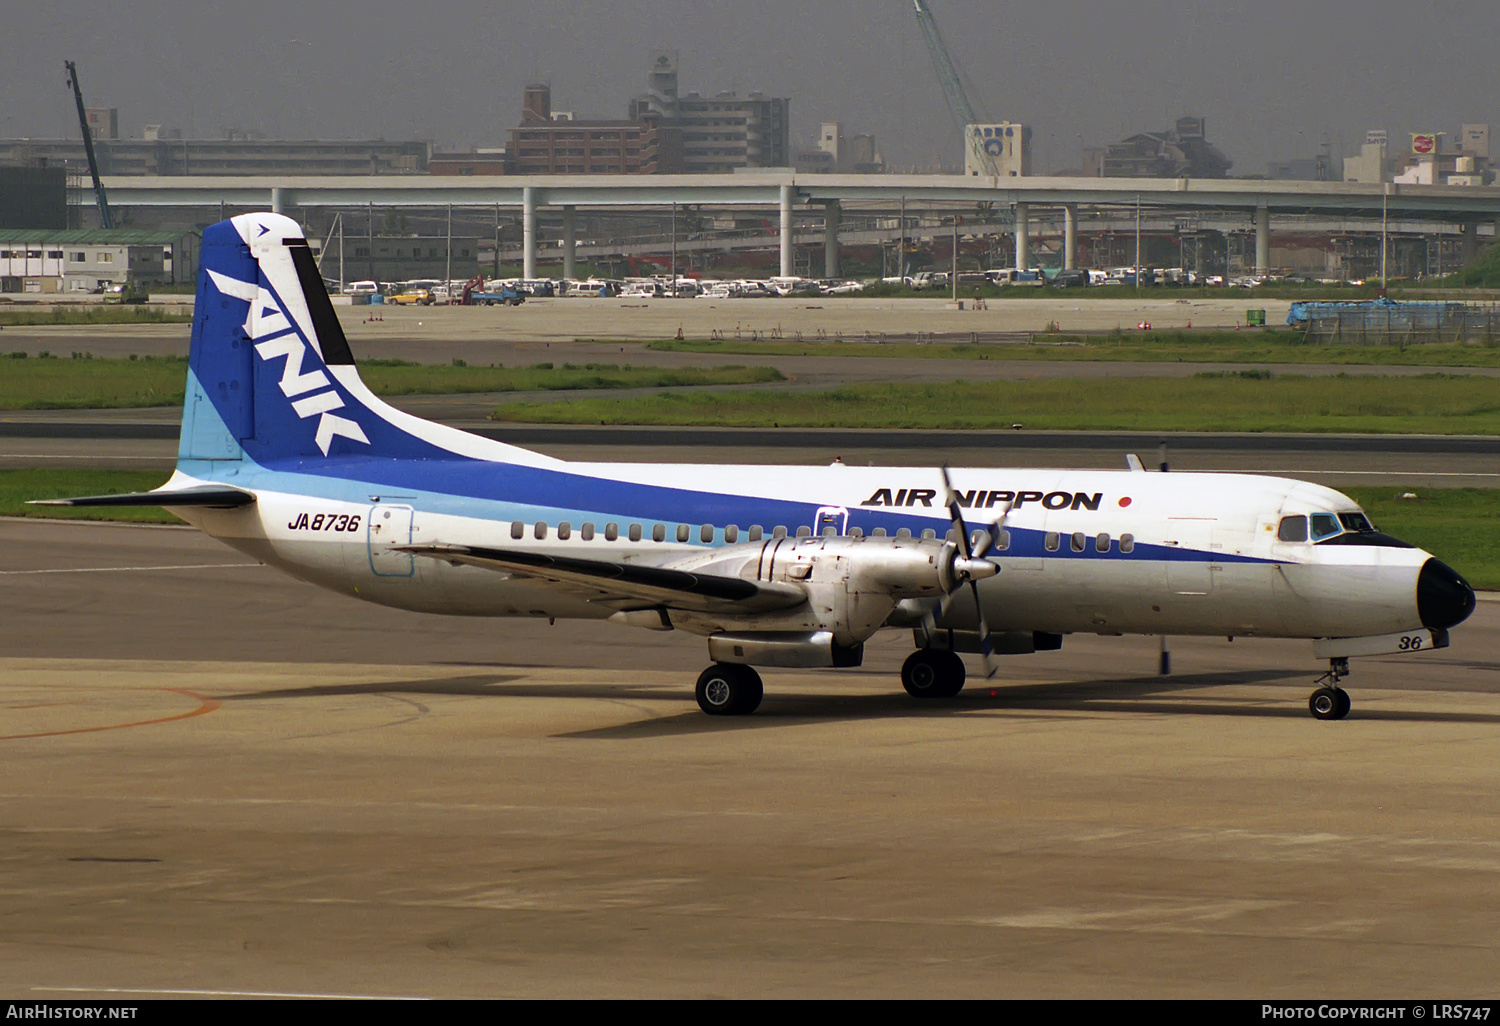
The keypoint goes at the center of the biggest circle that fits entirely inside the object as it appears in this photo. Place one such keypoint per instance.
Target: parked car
(413, 297)
(1068, 279)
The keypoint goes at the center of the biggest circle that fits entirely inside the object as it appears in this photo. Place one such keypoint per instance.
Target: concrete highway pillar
(570, 242)
(786, 231)
(1023, 236)
(1262, 240)
(1070, 236)
(1471, 242)
(832, 213)
(528, 232)
(277, 201)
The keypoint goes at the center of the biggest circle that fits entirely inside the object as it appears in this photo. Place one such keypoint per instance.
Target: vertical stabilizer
(271, 378)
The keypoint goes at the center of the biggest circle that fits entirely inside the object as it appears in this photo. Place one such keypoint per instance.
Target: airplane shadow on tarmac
(1146, 696)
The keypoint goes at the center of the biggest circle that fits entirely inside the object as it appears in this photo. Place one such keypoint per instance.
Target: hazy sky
(1271, 76)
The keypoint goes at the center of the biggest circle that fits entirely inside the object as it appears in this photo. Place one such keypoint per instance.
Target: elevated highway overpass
(786, 191)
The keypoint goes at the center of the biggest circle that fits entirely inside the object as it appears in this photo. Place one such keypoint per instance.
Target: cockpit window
(1292, 529)
(1324, 525)
(1356, 522)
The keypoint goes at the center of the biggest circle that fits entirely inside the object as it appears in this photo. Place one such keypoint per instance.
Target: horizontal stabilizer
(218, 496)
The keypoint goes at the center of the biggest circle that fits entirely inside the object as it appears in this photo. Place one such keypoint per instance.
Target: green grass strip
(1246, 401)
(85, 383)
(1273, 346)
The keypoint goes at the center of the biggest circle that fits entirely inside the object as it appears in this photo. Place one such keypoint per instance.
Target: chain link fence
(1399, 324)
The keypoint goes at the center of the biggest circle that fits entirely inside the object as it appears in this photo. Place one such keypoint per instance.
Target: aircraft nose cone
(1443, 598)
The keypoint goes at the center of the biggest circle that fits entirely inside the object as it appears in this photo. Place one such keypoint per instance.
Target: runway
(218, 779)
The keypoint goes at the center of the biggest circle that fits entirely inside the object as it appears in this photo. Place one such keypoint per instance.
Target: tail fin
(271, 378)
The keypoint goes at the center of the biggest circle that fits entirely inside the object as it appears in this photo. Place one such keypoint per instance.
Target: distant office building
(719, 133)
(33, 197)
(836, 154)
(1323, 167)
(104, 122)
(1182, 152)
(165, 155)
(1001, 151)
(470, 162)
(1432, 161)
(37, 261)
(543, 145)
(1371, 165)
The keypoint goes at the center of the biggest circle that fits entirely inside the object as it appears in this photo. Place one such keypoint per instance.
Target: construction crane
(88, 146)
(959, 104)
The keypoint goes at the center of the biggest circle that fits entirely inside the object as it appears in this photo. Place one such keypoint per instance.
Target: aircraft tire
(932, 673)
(726, 689)
(1329, 703)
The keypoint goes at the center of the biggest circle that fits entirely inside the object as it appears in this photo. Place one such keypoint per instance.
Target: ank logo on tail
(274, 334)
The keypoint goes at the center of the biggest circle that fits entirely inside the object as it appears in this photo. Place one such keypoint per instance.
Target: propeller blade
(950, 499)
(986, 648)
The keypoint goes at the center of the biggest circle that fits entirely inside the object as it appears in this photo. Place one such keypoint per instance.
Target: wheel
(932, 673)
(725, 689)
(1329, 703)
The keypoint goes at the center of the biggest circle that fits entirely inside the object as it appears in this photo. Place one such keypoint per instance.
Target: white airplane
(288, 457)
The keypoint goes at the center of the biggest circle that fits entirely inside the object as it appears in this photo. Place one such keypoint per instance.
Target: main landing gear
(933, 673)
(1331, 702)
(728, 689)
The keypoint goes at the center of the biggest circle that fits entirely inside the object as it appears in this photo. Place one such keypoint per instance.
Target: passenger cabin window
(756, 533)
(829, 532)
(683, 532)
(564, 531)
(587, 533)
(905, 532)
(1053, 541)
(804, 531)
(635, 532)
(659, 533)
(856, 532)
(879, 532)
(1101, 543)
(1078, 542)
(518, 530)
(778, 532)
(929, 534)
(611, 532)
(731, 534)
(706, 534)
(1292, 529)
(1325, 525)
(1002, 540)
(541, 530)
(1127, 543)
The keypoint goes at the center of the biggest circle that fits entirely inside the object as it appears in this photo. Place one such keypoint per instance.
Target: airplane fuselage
(1081, 551)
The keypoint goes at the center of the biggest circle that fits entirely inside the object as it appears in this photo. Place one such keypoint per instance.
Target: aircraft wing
(624, 585)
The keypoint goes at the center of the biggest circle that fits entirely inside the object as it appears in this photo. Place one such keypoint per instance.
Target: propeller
(970, 568)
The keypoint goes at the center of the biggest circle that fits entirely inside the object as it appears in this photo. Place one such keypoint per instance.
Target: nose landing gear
(1329, 701)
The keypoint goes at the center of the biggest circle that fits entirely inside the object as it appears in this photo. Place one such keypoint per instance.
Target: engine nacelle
(852, 584)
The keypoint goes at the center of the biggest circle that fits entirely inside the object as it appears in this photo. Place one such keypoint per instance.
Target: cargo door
(1190, 564)
(390, 526)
